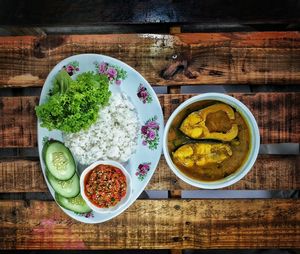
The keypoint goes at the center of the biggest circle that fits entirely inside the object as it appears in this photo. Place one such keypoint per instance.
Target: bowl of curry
(105, 186)
(211, 141)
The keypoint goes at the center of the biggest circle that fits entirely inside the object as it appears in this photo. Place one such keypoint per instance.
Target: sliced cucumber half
(59, 160)
(67, 188)
(76, 204)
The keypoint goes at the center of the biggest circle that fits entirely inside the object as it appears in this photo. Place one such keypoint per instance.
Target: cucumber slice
(59, 160)
(69, 188)
(76, 204)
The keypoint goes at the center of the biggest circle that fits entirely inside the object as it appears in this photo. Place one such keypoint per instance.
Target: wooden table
(29, 217)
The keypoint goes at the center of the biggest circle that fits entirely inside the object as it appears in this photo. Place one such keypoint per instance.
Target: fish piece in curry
(197, 125)
(201, 154)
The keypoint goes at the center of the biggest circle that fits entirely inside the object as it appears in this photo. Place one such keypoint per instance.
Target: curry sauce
(209, 140)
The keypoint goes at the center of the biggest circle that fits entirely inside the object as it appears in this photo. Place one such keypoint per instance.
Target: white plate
(143, 162)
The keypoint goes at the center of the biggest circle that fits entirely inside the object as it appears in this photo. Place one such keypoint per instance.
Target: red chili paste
(105, 186)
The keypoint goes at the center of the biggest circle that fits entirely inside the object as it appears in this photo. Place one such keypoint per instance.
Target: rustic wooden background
(251, 48)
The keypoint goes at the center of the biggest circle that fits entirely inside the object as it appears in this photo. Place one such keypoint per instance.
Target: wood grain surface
(155, 224)
(18, 122)
(252, 58)
(277, 115)
(182, 59)
(97, 13)
(270, 172)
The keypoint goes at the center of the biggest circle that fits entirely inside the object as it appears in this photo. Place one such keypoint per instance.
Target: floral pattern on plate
(143, 94)
(72, 67)
(143, 170)
(113, 72)
(149, 133)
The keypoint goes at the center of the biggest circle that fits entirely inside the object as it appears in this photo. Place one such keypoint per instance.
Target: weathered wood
(181, 59)
(278, 124)
(89, 12)
(18, 121)
(270, 172)
(175, 224)
(21, 176)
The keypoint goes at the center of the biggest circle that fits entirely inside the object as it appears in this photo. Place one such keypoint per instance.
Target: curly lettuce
(73, 105)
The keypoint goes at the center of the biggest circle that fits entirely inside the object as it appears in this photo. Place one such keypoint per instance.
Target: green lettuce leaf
(73, 105)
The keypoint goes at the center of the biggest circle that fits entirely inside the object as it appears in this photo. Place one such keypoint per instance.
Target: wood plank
(95, 13)
(176, 224)
(181, 59)
(270, 172)
(21, 176)
(18, 120)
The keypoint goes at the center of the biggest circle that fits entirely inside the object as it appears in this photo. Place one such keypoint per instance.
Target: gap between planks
(174, 90)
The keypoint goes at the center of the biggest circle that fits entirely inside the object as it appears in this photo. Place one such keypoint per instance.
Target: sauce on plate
(105, 186)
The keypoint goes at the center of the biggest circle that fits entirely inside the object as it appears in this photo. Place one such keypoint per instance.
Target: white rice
(113, 136)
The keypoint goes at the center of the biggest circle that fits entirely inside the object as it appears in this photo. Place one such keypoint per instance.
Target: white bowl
(254, 142)
(122, 202)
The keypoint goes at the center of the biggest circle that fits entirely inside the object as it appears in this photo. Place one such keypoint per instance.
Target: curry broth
(217, 121)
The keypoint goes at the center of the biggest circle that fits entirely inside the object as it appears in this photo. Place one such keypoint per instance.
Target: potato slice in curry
(201, 154)
(196, 126)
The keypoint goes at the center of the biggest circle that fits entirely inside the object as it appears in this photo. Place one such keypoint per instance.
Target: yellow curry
(209, 141)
